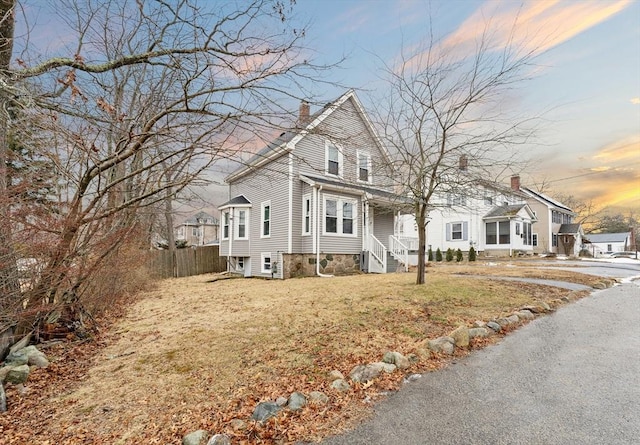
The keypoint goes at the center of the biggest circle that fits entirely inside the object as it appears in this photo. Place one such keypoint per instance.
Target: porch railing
(378, 252)
(410, 243)
(399, 250)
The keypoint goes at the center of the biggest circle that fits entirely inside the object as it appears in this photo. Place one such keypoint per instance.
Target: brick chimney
(303, 116)
(515, 183)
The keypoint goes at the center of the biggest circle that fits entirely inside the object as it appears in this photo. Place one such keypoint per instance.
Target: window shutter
(465, 231)
(448, 234)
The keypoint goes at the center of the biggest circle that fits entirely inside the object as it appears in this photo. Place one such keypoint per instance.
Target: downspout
(230, 255)
(317, 229)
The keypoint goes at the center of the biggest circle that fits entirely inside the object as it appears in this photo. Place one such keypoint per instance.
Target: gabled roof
(289, 138)
(500, 188)
(200, 216)
(508, 211)
(546, 200)
(239, 200)
(608, 237)
(569, 229)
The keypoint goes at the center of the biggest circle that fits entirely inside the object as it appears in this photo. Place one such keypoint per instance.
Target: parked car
(623, 255)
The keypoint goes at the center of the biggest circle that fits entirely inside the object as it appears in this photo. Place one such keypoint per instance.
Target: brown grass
(194, 354)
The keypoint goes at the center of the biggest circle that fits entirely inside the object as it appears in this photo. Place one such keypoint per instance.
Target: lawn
(195, 353)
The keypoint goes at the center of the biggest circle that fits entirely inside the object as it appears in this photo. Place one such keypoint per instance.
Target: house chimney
(515, 183)
(303, 116)
(463, 163)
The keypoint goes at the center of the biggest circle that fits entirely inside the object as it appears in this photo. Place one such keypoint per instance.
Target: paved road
(568, 378)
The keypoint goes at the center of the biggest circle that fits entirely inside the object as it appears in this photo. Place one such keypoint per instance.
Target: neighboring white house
(318, 200)
(198, 230)
(489, 217)
(602, 244)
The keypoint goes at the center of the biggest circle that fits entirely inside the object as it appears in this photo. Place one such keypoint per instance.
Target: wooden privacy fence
(187, 262)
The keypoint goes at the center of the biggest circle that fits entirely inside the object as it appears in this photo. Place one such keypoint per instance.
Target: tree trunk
(422, 235)
(171, 241)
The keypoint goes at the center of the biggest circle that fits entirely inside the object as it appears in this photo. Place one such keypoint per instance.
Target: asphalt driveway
(568, 378)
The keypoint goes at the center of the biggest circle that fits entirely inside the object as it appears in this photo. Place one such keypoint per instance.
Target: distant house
(601, 244)
(318, 200)
(556, 231)
(493, 219)
(200, 229)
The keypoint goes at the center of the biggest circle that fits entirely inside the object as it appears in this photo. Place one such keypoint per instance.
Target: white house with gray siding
(316, 201)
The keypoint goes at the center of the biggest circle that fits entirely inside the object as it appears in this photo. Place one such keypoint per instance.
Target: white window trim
(340, 160)
(461, 231)
(369, 164)
(263, 257)
(236, 225)
(262, 220)
(226, 224)
(340, 200)
(534, 239)
(306, 198)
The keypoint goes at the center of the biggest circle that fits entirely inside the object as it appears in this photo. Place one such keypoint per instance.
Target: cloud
(533, 26)
(627, 149)
(635, 101)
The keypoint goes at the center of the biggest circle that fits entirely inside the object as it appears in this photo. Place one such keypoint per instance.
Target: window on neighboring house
(240, 263)
(457, 231)
(364, 167)
(534, 240)
(340, 215)
(527, 238)
(334, 160)
(306, 215)
(241, 225)
(609, 248)
(266, 219)
(225, 225)
(556, 217)
(194, 231)
(455, 199)
(266, 262)
(504, 235)
(554, 240)
(517, 228)
(491, 233)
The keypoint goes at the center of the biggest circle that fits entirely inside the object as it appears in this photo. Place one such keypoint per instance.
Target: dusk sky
(587, 84)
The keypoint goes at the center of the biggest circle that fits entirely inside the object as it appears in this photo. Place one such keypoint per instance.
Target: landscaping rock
(545, 306)
(24, 341)
(503, 322)
(364, 373)
(525, 315)
(413, 358)
(219, 439)
(318, 397)
(238, 424)
(335, 375)
(341, 385)
(442, 344)
(478, 332)
(297, 400)
(199, 437)
(281, 401)
(413, 378)
(18, 374)
(513, 319)
(35, 357)
(4, 371)
(265, 410)
(396, 358)
(479, 324)
(599, 285)
(494, 326)
(535, 309)
(3, 399)
(386, 367)
(461, 337)
(17, 358)
(423, 353)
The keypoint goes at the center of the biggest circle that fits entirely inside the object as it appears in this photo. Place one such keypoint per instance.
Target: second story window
(364, 167)
(241, 225)
(306, 215)
(333, 160)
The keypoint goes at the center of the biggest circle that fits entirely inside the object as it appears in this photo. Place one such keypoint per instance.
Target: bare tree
(444, 123)
(148, 95)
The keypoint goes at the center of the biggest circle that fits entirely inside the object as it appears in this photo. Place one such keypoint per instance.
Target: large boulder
(494, 326)
(478, 332)
(35, 357)
(17, 358)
